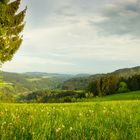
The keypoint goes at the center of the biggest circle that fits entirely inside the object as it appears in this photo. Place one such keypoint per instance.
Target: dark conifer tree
(11, 25)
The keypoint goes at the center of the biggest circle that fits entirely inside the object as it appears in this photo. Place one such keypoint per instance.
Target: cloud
(78, 36)
(122, 18)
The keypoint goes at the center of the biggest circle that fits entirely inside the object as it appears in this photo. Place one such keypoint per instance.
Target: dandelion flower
(70, 128)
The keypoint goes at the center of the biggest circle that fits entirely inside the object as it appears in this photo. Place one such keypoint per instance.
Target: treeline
(112, 83)
(53, 96)
(81, 83)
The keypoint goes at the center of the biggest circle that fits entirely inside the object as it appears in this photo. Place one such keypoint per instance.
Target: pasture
(109, 120)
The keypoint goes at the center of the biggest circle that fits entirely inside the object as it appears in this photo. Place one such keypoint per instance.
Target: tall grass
(112, 120)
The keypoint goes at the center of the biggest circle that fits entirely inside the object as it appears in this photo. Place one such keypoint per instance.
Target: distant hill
(82, 75)
(31, 81)
(43, 74)
(127, 72)
(80, 83)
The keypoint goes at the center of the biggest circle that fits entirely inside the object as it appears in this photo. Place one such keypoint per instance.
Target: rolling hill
(80, 83)
(31, 81)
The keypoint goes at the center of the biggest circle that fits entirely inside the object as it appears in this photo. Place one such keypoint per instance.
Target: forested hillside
(80, 83)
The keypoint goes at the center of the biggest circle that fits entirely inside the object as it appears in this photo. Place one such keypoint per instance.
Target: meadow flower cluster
(104, 120)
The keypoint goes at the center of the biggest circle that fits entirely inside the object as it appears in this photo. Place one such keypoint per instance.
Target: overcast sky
(79, 36)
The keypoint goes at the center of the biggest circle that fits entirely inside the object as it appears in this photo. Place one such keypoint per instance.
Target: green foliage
(78, 121)
(123, 87)
(105, 85)
(134, 82)
(7, 93)
(4, 1)
(88, 95)
(75, 83)
(116, 82)
(52, 96)
(11, 25)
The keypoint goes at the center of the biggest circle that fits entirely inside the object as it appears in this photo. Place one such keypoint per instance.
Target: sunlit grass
(99, 120)
(133, 95)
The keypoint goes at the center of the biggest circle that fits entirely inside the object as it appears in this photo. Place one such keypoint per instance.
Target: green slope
(135, 95)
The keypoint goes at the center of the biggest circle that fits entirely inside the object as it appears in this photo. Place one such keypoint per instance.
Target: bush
(123, 87)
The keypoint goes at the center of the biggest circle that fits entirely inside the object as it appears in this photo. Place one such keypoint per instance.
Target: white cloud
(123, 18)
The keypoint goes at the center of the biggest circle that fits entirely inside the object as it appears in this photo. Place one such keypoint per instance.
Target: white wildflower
(80, 114)
(70, 128)
(63, 126)
(58, 129)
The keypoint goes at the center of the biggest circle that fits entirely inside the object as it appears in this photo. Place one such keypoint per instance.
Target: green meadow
(133, 95)
(106, 120)
(72, 37)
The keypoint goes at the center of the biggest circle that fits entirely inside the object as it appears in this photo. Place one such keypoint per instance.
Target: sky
(78, 36)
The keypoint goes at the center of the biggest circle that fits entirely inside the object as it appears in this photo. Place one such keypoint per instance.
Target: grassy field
(113, 120)
(135, 95)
